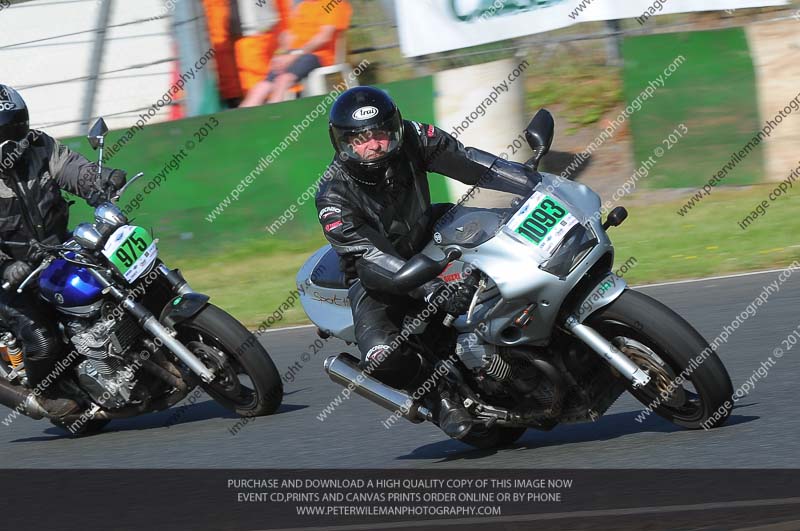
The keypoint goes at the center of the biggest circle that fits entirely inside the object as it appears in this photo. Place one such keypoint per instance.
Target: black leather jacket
(376, 228)
(31, 204)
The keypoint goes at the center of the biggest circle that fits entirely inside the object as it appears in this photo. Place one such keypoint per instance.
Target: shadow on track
(175, 416)
(607, 428)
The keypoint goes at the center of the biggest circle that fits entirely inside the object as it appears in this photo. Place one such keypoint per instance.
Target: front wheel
(247, 381)
(689, 385)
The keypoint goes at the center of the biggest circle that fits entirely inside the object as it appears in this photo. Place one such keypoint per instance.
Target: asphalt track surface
(762, 432)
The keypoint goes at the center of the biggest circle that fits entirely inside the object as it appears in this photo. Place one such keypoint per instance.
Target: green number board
(131, 249)
(541, 220)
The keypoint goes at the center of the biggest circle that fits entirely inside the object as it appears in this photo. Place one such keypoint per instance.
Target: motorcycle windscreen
(486, 207)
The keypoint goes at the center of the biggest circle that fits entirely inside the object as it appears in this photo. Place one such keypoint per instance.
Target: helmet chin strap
(363, 182)
(382, 173)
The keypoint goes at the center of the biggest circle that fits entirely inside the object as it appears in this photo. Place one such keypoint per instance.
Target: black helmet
(14, 124)
(357, 115)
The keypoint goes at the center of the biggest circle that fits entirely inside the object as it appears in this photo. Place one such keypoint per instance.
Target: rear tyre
(222, 342)
(689, 385)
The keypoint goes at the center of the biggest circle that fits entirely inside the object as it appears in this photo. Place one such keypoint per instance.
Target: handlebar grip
(6, 286)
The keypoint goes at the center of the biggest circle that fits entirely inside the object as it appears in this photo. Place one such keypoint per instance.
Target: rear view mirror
(97, 132)
(615, 217)
(539, 135)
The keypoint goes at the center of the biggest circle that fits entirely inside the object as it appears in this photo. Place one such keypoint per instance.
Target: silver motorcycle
(552, 335)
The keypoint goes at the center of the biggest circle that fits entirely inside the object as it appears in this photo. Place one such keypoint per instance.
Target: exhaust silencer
(20, 399)
(343, 369)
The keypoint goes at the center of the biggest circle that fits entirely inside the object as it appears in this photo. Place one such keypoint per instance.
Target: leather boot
(449, 414)
(58, 407)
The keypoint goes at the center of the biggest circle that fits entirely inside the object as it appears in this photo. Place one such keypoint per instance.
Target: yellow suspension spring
(15, 358)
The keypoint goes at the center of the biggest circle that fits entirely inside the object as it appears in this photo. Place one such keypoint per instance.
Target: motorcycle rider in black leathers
(34, 168)
(375, 209)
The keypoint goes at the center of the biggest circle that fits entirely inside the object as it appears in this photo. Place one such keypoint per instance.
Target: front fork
(608, 352)
(606, 292)
(151, 324)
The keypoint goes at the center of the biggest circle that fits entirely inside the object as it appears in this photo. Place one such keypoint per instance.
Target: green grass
(708, 241)
(713, 93)
(253, 280)
(585, 88)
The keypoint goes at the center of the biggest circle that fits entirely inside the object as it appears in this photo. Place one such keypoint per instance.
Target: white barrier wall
(777, 73)
(45, 72)
(484, 107)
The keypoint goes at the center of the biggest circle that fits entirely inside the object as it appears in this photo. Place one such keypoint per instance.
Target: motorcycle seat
(327, 273)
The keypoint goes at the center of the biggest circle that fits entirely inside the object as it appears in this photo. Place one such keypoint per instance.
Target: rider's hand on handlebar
(35, 253)
(454, 297)
(115, 181)
(14, 273)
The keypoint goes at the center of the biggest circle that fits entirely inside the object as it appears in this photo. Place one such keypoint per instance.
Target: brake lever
(478, 292)
(115, 197)
(44, 265)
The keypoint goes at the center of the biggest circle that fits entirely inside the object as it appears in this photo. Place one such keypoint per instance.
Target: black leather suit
(375, 228)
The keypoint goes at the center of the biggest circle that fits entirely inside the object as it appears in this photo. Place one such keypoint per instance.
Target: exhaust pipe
(343, 369)
(21, 399)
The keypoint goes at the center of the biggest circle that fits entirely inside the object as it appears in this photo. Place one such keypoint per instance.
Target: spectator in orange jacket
(254, 52)
(309, 43)
(218, 17)
(243, 57)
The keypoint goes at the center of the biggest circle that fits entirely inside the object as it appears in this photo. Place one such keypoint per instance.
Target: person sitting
(309, 43)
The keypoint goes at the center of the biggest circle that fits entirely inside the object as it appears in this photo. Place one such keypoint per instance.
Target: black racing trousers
(377, 326)
(33, 324)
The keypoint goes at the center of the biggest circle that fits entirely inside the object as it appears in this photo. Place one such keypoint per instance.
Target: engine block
(105, 375)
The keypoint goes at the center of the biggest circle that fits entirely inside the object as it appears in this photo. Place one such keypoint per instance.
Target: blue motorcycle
(137, 337)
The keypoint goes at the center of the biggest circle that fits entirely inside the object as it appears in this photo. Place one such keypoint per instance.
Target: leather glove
(115, 180)
(454, 297)
(35, 253)
(14, 273)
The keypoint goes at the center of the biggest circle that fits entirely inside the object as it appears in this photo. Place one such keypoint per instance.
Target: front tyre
(247, 381)
(689, 385)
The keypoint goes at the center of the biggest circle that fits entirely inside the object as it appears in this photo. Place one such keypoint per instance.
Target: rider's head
(14, 123)
(366, 130)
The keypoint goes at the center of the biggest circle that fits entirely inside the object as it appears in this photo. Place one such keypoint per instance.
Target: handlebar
(420, 268)
(35, 245)
(114, 197)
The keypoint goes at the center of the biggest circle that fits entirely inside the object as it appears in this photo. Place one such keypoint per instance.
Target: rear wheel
(689, 385)
(247, 381)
